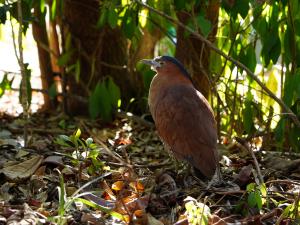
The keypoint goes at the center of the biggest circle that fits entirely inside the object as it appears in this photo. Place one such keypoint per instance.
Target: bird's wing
(186, 123)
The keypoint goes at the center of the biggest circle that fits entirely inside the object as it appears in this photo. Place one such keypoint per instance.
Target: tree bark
(192, 52)
(102, 52)
(39, 32)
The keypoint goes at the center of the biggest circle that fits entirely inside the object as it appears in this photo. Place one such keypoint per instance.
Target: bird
(183, 117)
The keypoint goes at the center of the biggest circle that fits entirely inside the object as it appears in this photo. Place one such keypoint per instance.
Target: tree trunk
(102, 52)
(192, 52)
(39, 32)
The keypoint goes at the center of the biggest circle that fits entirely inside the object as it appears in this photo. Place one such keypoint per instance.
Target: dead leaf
(22, 170)
(244, 175)
(118, 185)
(153, 221)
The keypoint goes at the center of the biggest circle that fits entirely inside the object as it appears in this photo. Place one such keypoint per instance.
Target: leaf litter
(78, 171)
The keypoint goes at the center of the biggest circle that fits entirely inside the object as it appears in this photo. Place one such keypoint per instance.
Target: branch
(24, 99)
(289, 112)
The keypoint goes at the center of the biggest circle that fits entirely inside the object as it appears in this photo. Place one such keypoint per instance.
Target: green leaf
(64, 58)
(271, 84)
(77, 70)
(297, 27)
(248, 114)
(287, 41)
(289, 88)
(5, 84)
(250, 187)
(112, 18)
(89, 141)
(204, 24)
(26, 13)
(53, 9)
(100, 102)
(103, 18)
(251, 199)
(258, 199)
(248, 58)
(114, 92)
(294, 8)
(3, 10)
(52, 91)
(42, 5)
(94, 107)
(179, 5)
(77, 134)
(128, 24)
(242, 7)
(279, 130)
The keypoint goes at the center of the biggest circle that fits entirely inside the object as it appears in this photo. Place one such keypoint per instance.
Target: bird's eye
(161, 63)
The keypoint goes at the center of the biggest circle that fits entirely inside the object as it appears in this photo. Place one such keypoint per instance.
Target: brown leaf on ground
(22, 170)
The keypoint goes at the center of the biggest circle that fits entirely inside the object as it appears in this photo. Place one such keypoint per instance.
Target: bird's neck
(162, 82)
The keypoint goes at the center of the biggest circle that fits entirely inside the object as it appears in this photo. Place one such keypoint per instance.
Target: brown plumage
(183, 117)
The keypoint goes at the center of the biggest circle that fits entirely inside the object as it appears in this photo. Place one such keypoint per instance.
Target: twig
(107, 150)
(122, 115)
(291, 114)
(24, 99)
(245, 145)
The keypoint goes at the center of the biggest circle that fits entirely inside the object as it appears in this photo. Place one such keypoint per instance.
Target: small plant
(197, 213)
(67, 203)
(256, 195)
(292, 211)
(83, 149)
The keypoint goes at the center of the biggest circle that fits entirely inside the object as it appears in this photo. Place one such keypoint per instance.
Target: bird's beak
(154, 64)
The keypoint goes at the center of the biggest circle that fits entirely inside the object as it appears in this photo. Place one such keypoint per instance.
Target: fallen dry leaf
(22, 170)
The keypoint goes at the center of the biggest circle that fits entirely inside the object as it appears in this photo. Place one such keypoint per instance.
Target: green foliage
(5, 84)
(264, 36)
(84, 149)
(197, 213)
(256, 197)
(104, 99)
(3, 13)
(66, 202)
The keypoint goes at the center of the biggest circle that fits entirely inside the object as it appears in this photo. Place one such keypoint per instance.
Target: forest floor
(78, 171)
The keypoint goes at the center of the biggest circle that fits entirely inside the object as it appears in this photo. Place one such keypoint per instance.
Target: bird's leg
(217, 178)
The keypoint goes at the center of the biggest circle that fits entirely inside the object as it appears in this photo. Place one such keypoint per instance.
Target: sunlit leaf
(250, 187)
(118, 185)
(53, 9)
(42, 5)
(143, 17)
(258, 199)
(138, 186)
(77, 133)
(272, 84)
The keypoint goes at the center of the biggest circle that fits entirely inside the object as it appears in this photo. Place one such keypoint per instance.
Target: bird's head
(166, 64)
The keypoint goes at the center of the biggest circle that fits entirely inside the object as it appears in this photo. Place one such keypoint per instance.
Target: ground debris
(84, 171)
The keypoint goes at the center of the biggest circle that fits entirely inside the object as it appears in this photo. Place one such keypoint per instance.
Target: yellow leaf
(118, 185)
(138, 186)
